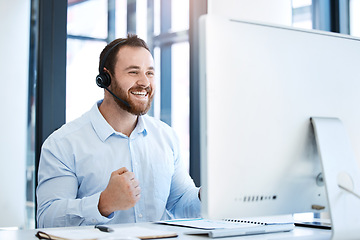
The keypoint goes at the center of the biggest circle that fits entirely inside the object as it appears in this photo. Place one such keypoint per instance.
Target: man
(114, 164)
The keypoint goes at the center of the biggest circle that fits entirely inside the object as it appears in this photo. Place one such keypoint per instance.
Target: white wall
(269, 11)
(14, 48)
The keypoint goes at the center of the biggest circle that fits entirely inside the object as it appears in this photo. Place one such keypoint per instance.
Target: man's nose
(143, 80)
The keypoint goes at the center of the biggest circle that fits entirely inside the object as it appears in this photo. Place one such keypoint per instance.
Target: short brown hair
(132, 40)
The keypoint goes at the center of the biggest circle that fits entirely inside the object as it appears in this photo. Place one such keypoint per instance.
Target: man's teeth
(139, 93)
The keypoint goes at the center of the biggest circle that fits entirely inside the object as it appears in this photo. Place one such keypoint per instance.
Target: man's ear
(106, 70)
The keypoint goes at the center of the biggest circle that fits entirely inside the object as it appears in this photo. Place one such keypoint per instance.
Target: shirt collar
(140, 126)
(103, 128)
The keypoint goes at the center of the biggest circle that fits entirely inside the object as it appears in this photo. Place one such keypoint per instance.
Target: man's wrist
(102, 205)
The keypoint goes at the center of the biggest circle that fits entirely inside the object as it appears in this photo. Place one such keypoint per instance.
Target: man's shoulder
(74, 127)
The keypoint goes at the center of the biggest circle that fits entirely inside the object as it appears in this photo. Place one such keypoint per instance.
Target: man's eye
(151, 73)
(133, 72)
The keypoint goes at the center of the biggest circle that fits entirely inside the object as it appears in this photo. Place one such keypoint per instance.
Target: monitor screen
(259, 86)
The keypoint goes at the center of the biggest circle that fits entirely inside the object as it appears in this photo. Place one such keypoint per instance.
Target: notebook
(232, 227)
(83, 233)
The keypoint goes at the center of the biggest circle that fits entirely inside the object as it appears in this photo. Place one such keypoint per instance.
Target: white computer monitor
(259, 86)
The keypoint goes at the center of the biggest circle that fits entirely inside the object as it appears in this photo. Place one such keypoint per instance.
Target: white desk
(298, 233)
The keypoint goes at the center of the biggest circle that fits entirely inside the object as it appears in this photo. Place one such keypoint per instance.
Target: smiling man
(115, 164)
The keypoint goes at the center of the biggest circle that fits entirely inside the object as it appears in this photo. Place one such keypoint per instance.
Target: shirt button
(94, 220)
(140, 215)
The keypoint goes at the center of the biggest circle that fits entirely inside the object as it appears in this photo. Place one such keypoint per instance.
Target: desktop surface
(297, 233)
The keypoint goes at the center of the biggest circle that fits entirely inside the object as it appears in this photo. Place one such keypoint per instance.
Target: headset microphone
(121, 100)
(103, 80)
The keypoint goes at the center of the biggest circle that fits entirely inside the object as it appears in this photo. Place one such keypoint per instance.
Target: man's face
(133, 79)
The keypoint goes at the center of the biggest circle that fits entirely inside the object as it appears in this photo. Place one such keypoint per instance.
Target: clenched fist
(121, 193)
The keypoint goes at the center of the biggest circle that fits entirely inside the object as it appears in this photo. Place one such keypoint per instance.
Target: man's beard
(135, 108)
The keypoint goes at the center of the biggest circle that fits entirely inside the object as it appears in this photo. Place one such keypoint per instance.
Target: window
(335, 16)
(354, 17)
(87, 36)
(302, 13)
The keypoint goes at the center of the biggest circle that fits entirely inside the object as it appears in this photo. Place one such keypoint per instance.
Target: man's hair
(132, 40)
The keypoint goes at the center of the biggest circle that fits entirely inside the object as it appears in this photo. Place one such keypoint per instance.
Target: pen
(103, 228)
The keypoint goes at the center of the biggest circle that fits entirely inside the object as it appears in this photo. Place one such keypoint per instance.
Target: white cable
(348, 190)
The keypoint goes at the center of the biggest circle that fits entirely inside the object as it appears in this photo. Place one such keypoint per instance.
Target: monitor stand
(341, 176)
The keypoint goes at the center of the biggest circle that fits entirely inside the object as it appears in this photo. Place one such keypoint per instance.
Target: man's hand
(121, 193)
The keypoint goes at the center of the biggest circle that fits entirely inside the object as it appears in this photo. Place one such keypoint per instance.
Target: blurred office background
(49, 60)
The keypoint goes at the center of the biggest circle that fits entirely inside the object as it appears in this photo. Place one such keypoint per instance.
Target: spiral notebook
(233, 227)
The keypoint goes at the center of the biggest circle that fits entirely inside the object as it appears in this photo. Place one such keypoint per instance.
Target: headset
(103, 79)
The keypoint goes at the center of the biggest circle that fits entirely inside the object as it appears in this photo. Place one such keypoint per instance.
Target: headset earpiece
(103, 80)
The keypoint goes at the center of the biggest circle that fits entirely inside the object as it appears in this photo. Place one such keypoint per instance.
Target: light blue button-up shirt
(77, 160)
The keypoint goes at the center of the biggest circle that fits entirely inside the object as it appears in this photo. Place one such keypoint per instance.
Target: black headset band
(102, 65)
